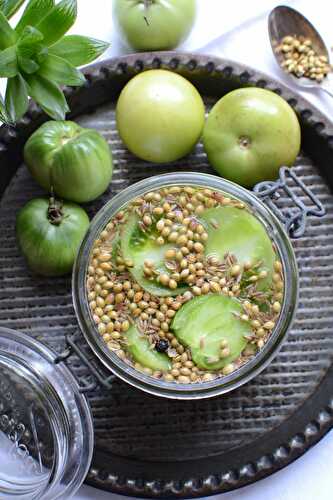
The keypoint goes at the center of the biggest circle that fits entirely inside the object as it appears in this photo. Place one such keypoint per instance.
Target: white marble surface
(237, 30)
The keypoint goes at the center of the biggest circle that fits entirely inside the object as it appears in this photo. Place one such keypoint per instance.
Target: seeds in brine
(179, 286)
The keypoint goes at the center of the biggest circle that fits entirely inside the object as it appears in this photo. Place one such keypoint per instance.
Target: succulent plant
(37, 58)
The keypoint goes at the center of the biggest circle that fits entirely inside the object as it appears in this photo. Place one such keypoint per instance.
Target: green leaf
(34, 12)
(30, 52)
(60, 71)
(48, 95)
(3, 111)
(37, 51)
(9, 7)
(41, 54)
(16, 98)
(79, 50)
(26, 63)
(8, 62)
(58, 21)
(8, 36)
(30, 36)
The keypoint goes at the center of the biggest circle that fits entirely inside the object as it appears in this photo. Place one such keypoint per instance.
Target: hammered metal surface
(132, 424)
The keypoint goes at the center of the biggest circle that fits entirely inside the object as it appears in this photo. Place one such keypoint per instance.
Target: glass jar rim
(219, 385)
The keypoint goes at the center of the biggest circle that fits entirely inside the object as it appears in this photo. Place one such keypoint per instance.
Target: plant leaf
(16, 98)
(8, 62)
(79, 50)
(3, 112)
(33, 51)
(48, 95)
(55, 24)
(9, 7)
(60, 71)
(30, 52)
(8, 36)
(30, 36)
(34, 12)
(26, 63)
(41, 54)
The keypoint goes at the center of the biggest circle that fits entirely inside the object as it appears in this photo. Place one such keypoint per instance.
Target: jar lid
(46, 429)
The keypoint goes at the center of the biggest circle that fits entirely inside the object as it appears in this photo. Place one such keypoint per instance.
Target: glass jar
(46, 429)
(202, 389)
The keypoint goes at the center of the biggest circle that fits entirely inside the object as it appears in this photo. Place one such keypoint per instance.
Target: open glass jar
(246, 371)
(46, 430)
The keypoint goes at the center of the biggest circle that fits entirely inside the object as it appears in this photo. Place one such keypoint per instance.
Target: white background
(238, 30)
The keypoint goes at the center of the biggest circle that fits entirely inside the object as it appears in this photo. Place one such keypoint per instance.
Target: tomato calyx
(244, 142)
(55, 212)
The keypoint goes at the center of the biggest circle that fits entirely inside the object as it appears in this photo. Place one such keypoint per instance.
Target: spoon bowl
(285, 21)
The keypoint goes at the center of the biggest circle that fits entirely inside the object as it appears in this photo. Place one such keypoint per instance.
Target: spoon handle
(327, 85)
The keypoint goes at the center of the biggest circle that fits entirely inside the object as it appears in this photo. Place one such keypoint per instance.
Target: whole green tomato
(49, 235)
(154, 24)
(75, 161)
(160, 116)
(249, 134)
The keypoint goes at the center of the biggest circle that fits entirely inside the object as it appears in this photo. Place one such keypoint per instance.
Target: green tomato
(49, 235)
(158, 25)
(75, 161)
(249, 134)
(160, 116)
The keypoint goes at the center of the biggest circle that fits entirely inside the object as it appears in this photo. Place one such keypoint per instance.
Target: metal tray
(147, 446)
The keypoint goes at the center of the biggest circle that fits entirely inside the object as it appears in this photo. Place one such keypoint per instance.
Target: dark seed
(162, 345)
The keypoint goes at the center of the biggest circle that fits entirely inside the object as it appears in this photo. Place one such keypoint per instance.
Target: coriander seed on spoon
(299, 49)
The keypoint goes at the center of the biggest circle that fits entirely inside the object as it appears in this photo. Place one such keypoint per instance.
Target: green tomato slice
(139, 347)
(240, 233)
(138, 247)
(204, 322)
(115, 246)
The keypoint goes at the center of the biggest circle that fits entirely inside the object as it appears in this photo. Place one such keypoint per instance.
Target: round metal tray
(147, 446)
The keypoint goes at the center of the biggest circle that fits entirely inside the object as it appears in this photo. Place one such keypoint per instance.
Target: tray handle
(101, 378)
(293, 219)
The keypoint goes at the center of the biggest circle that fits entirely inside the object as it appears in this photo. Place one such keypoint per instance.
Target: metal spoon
(284, 21)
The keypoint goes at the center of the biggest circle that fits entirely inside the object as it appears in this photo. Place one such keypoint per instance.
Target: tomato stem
(55, 214)
(146, 4)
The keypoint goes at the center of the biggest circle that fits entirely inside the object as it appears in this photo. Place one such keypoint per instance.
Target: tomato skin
(249, 134)
(168, 22)
(160, 116)
(50, 249)
(76, 162)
